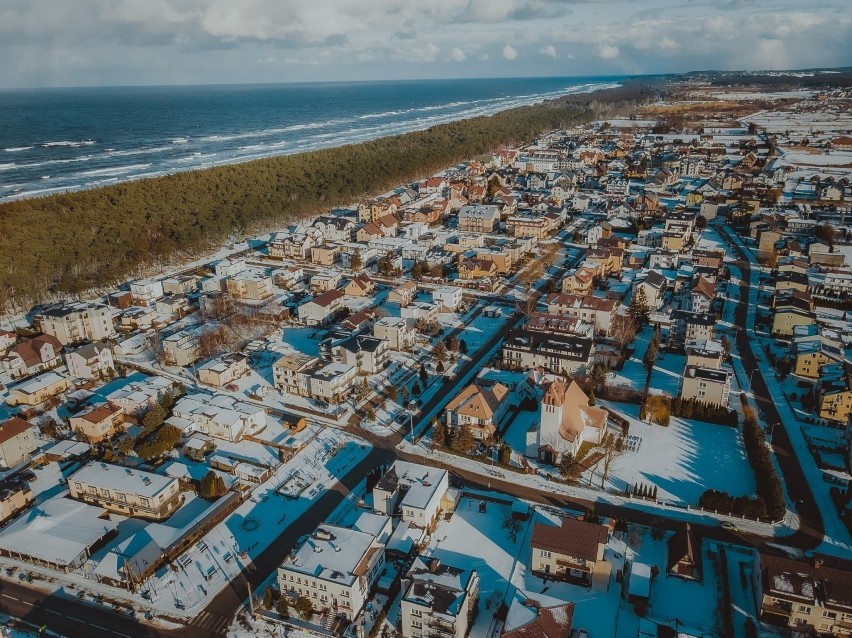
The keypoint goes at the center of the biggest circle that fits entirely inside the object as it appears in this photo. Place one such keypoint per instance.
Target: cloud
(427, 53)
(549, 51)
(47, 42)
(608, 52)
(457, 55)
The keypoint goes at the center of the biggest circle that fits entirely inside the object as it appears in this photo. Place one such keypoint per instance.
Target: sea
(54, 140)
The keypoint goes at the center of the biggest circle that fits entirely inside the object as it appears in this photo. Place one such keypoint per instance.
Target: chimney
(434, 564)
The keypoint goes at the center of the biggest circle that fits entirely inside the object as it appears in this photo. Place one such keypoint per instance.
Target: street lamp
(751, 374)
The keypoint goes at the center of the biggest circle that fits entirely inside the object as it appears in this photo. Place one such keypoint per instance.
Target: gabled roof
(704, 288)
(684, 546)
(575, 538)
(327, 298)
(576, 411)
(479, 401)
(13, 427)
(547, 622)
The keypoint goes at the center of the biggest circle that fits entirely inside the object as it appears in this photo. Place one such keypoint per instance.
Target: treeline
(66, 244)
(769, 501)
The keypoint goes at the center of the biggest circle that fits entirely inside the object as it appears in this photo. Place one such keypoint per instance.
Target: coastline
(98, 162)
(90, 239)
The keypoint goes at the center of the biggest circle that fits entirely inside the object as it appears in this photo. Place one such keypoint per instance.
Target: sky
(129, 42)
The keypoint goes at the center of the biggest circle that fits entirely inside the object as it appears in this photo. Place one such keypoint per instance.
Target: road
(812, 530)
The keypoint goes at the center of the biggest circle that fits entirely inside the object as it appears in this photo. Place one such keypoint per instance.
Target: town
(594, 385)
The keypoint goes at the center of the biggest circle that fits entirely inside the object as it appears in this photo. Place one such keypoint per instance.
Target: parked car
(729, 526)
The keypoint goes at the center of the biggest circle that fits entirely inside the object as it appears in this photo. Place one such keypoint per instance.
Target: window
(121, 497)
(416, 623)
(829, 614)
(416, 612)
(804, 609)
(545, 553)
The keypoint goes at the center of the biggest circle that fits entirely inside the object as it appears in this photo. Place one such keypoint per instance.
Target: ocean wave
(114, 170)
(17, 149)
(68, 143)
(8, 166)
(180, 140)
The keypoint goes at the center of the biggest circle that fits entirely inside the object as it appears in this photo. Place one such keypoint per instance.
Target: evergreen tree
(463, 439)
(393, 393)
(463, 346)
(452, 343)
(639, 308)
(424, 376)
(440, 351)
(591, 397)
(357, 262)
(415, 389)
(439, 435)
(267, 598)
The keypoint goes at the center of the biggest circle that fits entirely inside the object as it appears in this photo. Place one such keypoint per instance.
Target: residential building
(525, 349)
(480, 407)
(17, 441)
(31, 356)
(39, 389)
(654, 287)
(322, 309)
(146, 292)
(808, 596)
(566, 421)
(595, 310)
(250, 285)
(76, 321)
(180, 285)
(359, 286)
(332, 382)
(220, 416)
(702, 295)
(834, 393)
(448, 298)
(706, 385)
(684, 554)
(573, 552)
(369, 355)
(137, 393)
(336, 568)
(527, 618)
(99, 422)
(125, 491)
(335, 228)
(14, 498)
(691, 328)
(326, 254)
(286, 370)
(581, 282)
(438, 600)
(325, 280)
(181, 348)
(414, 491)
(481, 218)
(404, 294)
(223, 370)
(91, 361)
(397, 331)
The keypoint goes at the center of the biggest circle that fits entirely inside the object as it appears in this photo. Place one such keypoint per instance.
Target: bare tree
(623, 330)
(611, 447)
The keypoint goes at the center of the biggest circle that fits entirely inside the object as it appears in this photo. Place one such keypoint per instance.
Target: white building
(447, 298)
(89, 361)
(335, 568)
(17, 441)
(146, 292)
(76, 321)
(220, 416)
(416, 490)
(397, 331)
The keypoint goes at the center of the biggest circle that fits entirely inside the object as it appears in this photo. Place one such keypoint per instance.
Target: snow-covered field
(476, 540)
(682, 460)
